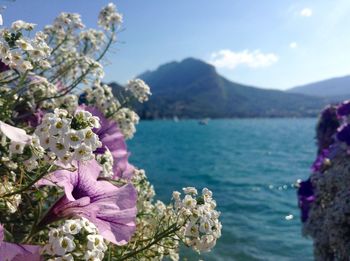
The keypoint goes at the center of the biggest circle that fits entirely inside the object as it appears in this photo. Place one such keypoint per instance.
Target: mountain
(117, 89)
(336, 89)
(193, 89)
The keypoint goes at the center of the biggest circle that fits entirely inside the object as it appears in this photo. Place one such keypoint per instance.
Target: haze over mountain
(336, 89)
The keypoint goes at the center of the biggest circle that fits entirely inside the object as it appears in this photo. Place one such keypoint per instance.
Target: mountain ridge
(192, 88)
(328, 88)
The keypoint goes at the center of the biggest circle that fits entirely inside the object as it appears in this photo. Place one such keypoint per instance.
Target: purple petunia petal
(3, 66)
(343, 134)
(327, 126)
(14, 134)
(35, 119)
(112, 209)
(344, 108)
(112, 138)
(319, 162)
(305, 198)
(17, 252)
(2, 234)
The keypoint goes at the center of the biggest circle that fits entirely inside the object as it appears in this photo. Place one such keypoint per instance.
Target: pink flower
(14, 134)
(112, 138)
(17, 252)
(112, 209)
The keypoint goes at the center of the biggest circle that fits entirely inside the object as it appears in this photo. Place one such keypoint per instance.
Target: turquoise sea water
(250, 165)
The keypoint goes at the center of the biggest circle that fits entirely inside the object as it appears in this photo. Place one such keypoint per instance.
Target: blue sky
(271, 43)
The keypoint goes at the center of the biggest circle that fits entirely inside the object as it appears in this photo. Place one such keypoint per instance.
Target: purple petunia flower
(343, 134)
(35, 118)
(305, 198)
(112, 209)
(319, 162)
(112, 138)
(344, 109)
(17, 252)
(14, 134)
(327, 127)
(3, 67)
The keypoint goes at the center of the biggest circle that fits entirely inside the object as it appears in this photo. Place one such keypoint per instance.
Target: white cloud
(229, 59)
(306, 12)
(293, 45)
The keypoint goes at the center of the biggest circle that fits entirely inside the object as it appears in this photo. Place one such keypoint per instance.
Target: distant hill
(193, 89)
(336, 89)
(117, 89)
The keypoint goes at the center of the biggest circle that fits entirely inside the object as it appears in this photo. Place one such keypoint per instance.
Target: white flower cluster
(144, 188)
(106, 161)
(76, 51)
(76, 239)
(3, 91)
(102, 97)
(16, 153)
(11, 202)
(94, 67)
(167, 248)
(72, 20)
(38, 88)
(21, 25)
(126, 119)
(9, 163)
(69, 138)
(149, 221)
(21, 53)
(139, 89)
(92, 38)
(65, 23)
(69, 102)
(109, 17)
(202, 226)
(38, 152)
(16, 148)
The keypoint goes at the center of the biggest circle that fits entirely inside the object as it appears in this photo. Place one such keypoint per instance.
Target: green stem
(21, 82)
(32, 233)
(27, 186)
(70, 88)
(77, 82)
(107, 46)
(158, 238)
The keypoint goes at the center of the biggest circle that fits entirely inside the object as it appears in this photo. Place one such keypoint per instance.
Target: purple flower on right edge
(305, 198)
(343, 134)
(319, 162)
(344, 108)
